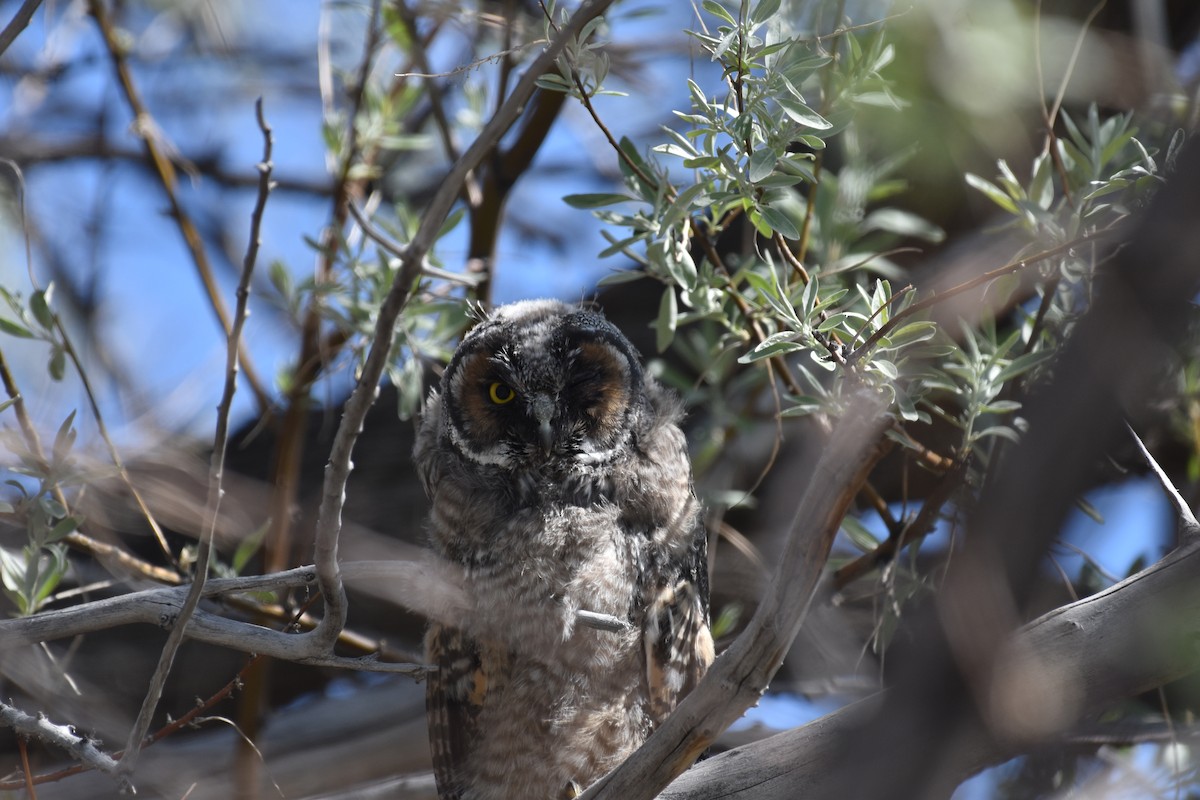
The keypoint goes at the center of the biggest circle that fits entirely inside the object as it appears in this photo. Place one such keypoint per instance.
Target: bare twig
(1052, 113)
(26, 772)
(586, 100)
(912, 532)
(1189, 527)
(18, 23)
(147, 130)
(395, 248)
(217, 464)
(113, 454)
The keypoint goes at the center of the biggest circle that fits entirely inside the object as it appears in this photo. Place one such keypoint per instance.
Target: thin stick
(1187, 519)
(217, 464)
(18, 23)
(26, 771)
(113, 454)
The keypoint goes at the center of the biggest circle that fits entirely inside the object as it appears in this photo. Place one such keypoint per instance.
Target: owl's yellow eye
(501, 393)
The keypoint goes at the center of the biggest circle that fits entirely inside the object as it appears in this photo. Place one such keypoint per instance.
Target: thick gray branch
(435, 589)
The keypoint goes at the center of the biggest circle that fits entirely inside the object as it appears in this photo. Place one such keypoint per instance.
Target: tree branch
(216, 466)
(81, 748)
(18, 23)
(434, 589)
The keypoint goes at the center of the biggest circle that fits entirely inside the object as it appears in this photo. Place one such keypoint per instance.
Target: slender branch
(1187, 519)
(217, 463)
(120, 562)
(894, 526)
(1049, 288)
(395, 248)
(150, 135)
(923, 523)
(1052, 115)
(586, 100)
(790, 257)
(113, 454)
(88, 146)
(18, 23)
(26, 771)
(337, 472)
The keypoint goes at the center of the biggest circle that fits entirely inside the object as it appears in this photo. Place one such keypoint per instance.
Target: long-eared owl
(560, 483)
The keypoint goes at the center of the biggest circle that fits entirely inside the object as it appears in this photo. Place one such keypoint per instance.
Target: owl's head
(541, 381)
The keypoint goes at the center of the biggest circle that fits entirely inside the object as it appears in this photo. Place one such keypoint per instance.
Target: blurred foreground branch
(1071, 662)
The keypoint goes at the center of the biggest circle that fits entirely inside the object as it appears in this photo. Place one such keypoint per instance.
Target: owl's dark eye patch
(599, 386)
(483, 398)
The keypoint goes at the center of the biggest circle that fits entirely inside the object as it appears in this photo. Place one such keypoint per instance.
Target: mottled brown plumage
(560, 482)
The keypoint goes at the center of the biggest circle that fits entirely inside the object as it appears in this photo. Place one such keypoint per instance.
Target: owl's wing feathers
(455, 696)
(676, 636)
(675, 629)
(425, 449)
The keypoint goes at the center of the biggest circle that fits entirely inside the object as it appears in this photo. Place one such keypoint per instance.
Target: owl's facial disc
(542, 383)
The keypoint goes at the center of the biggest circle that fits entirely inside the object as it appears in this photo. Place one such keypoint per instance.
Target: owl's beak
(542, 408)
